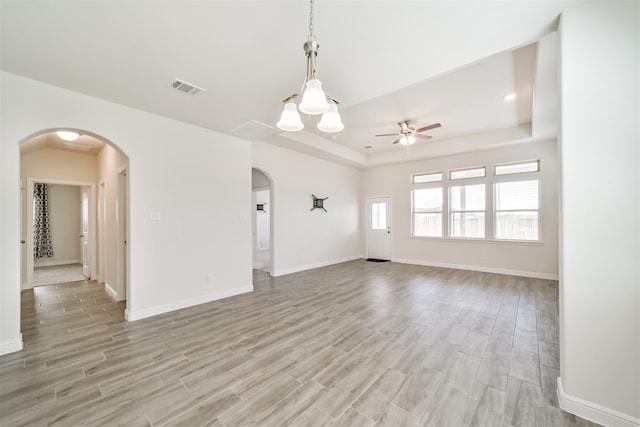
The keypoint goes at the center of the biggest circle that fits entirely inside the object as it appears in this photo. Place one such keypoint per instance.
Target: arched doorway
(262, 220)
(96, 170)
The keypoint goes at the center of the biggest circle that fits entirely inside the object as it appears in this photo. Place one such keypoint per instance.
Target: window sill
(490, 241)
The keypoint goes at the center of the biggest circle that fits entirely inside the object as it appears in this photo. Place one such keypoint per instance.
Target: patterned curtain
(42, 246)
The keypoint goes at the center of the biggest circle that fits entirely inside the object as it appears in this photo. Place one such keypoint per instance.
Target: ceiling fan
(408, 134)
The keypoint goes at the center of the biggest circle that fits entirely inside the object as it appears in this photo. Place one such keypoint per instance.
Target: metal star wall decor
(318, 203)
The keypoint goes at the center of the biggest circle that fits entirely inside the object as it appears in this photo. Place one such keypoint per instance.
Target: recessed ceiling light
(67, 136)
(510, 97)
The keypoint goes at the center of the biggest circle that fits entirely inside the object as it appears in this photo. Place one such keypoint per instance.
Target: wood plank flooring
(354, 344)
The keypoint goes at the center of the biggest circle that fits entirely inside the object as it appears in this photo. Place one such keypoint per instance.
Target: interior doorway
(59, 231)
(262, 221)
(96, 170)
(67, 215)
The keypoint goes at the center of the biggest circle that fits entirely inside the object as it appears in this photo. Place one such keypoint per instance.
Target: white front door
(379, 228)
(84, 234)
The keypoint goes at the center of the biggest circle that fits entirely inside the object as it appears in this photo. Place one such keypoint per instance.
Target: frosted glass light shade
(331, 121)
(314, 100)
(407, 139)
(67, 136)
(290, 119)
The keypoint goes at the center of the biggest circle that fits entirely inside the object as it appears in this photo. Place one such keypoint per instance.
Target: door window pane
(379, 216)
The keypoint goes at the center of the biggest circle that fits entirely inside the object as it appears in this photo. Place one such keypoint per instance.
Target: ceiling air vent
(185, 87)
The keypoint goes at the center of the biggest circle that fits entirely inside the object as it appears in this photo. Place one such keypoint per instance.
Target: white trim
(112, 292)
(593, 411)
(533, 274)
(50, 263)
(11, 346)
(316, 265)
(390, 227)
(154, 311)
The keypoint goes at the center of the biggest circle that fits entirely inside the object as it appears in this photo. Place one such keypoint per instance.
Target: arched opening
(262, 221)
(86, 217)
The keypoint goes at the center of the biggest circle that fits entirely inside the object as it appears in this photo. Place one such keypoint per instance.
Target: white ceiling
(85, 144)
(429, 61)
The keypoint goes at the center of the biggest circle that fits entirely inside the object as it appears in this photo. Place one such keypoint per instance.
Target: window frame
(451, 171)
(450, 212)
(414, 175)
(426, 186)
(517, 178)
(523, 162)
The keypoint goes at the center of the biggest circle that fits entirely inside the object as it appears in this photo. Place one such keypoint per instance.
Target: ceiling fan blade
(433, 126)
(388, 134)
(422, 136)
(396, 141)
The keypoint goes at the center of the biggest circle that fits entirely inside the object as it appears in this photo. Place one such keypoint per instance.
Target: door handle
(82, 235)
(22, 241)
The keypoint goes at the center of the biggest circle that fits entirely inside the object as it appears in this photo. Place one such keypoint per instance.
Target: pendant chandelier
(313, 100)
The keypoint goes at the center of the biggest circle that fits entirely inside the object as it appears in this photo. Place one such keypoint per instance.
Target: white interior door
(379, 228)
(84, 234)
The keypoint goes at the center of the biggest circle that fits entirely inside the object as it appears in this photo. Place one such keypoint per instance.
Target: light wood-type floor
(57, 274)
(355, 344)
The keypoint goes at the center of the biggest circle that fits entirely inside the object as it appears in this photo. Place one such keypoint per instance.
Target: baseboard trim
(532, 274)
(60, 262)
(592, 411)
(133, 315)
(11, 346)
(112, 292)
(291, 270)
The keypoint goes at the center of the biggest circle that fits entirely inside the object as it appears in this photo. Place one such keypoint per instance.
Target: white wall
(527, 259)
(202, 196)
(303, 238)
(65, 216)
(600, 151)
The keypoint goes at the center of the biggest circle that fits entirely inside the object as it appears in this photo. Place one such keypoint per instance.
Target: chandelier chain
(311, 36)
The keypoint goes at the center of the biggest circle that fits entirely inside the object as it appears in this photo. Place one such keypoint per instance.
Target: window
(467, 173)
(516, 210)
(379, 216)
(427, 212)
(517, 168)
(467, 211)
(426, 177)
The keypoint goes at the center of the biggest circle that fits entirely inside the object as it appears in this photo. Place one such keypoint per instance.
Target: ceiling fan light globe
(411, 139)
(403, 140)
(290, 118)
(331, 121)
(314, 100)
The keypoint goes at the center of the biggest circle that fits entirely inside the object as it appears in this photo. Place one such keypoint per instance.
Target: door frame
(122, 289)
(254, 226)
(368, 223)
(29, 223)
(272, 220)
